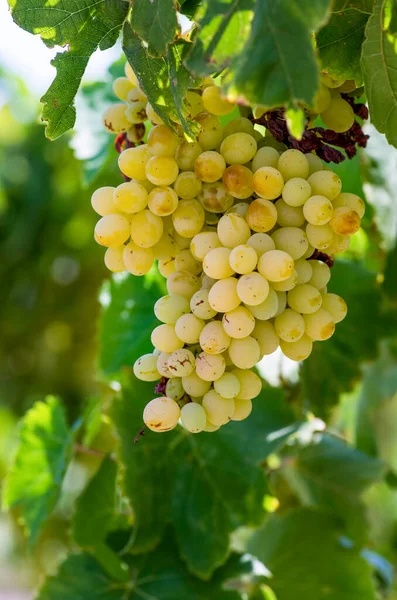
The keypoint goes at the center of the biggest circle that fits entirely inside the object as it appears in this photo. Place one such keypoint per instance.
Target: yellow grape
(112, 230)
(233, 230)
(345, 221)
(183, 284)
(162, 201)
(238, 148)
(137, 260)
(325, 183)
(132, 162)
(114, 259)
(214, 103)
(268, 183)
(130, 197)
(187, 185)
(215, 198)
(223, 295)
(102, 201)
(238, 181)
(209, 166)
(293, 163)
(211, 134)
(265, 157)
(162, 141)
(161, 170)
(115, 119)
(188, 219)
(186, 154)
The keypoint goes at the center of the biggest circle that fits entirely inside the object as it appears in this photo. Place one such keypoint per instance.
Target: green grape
(166, 266)
(121, 87)
(242, 409)
(193, 417)
(289, 325)
(233, 230)
(165, 339)
(187, 185)
(238, 148)
(162, 141)
(188, 219)
(245, 352)
(227, 386)
(183, 284)
(250, 384)
(351, 201)
(268, 183)
(194, 386)
(162, 364)
(321, 274)
(214, 103)
(261, 243)
(153, 116)
(261, 215)
(219, 410)
(186, 155)
(291, 240)
(115, 119)
(161, 170)
(137, 260)
(185, 261)
(200, 305)
(331, 82)
(145, 368)
(239, 125)
(209, 166)
(161, 414)
(223, 295)
(215, 198)
(266, 336)
(318, 210)
(168, 309)
(136, 112)
(238, 181)
(325, 183)
(252, 288)
(188, 328)
(204, 242)
(243, 259)
(211, 133)
(276, 265)
(163, 201)
(112, 230)
(146, 229)
(315, 163)
(210, 427)
(289, 216)
(293, 163)
(296, 191)
(174, 388)
(130, 197)
(267, 309)
(166, 247)
(102, 201)
(132, 162)
(322, 99)
(345, 221)
(287, 284)
(336, 306)
(319, 236)
(213, 338)
(194, 103)
(304, 270)
(339, 116)
(114, 259)
(282, 302)
(216, 263)
(299, 350)
(265, 157)
(305, 299)
(238, 323)
(210, 367)
(181, 362)
(319, 325)
(182, 242)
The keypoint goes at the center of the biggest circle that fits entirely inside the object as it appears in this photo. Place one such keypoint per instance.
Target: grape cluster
(238, 229)
(336, 112)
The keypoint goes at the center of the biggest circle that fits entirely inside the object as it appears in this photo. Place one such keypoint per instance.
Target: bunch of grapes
(244, 235)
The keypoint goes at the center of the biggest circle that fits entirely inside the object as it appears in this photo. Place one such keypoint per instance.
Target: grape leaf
(339, 42)
(379, 66)
(96, 506)
(324, 472)
(390, 282)
(334, 366)
(34, 480)
(206, 485)
(164, 80)
(127, 319)
(301, 548)
(260, 51)
(156, 24)
(82, 28)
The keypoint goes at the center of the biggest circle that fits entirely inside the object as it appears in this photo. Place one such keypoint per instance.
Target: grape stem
(140, 434)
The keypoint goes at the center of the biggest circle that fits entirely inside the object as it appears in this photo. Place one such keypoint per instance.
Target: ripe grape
(186, 154)
(162, 141)
(161, 170)
(200, 305)
(211, 134)
(238, 323)
(339, 115)
(350, 201)
(130, 197)
(243, 259)
(162, 201)
(238, 148)
(252, 288)
(345, 221)
(319, 325)
(335, 305)
(181, 362)
(325, 183)
(289, 325)
(268, 183)
(102, 201)
(261, 215)
(188, 328)
(146, 229)
(114, 259)
(194, 385)
(132, 162)
(304, 299)
(242, 409)
(115, 119)
(210, 367)
(112, 230)
(161, 414)
(304, 270)
(165, 339)
(227, 386)
(204, 242)
(213, 338)
(137, 260)
(193, 417)
(261, 243)
(318, 210)
(250, 384)
(215, 198)
(169, 309)
(289, 216)
(209, 166)
(319, 236)
(188, 219)
(233, 230)
(299, 350)
(145, 368)
(265, 157)
(321, 274)
(174, 388)
(214, 103)
(223, 295)
(219, 410)
(238, 180)
(245, 352)
(216, 263)
(187, 185)
(183, 284)
(266, 336)
(293, 163)
(276, 265)
(267, 309)
(291, 240)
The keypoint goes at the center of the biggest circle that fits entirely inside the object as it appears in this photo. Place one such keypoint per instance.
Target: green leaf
(83, 28)
(206, 485)
(189, 7)
(34, 481)
(390, 281)
(379, 65)
(156, 24)
(339, 42)
(96, 506)
(301, 548)
(127, 319)
(164, 80)
(335, 366)
(324, 472)
(264, 67)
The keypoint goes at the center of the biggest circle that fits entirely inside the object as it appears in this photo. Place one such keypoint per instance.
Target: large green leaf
(83, 28)
(301, 548)
(34, 481)
(96, 506)
(323, 471)
(335, 365)
(379, 65)
(206, 485)
(156, 23)
(127, 319)
(164, 80)
(339, 42)
(260, 52)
